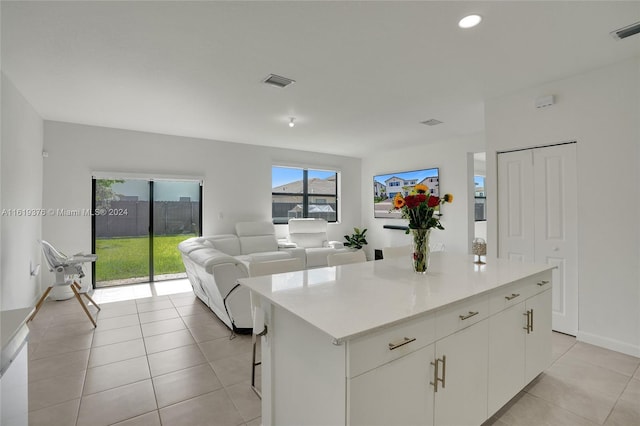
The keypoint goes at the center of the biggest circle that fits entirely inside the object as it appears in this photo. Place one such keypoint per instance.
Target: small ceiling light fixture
(292, 121)
(431, 122)
(470, 21)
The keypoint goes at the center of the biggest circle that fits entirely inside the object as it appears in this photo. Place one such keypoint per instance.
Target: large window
(303, 193)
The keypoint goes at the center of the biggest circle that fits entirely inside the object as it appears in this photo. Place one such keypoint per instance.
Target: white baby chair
(68, 271)
(266, 268)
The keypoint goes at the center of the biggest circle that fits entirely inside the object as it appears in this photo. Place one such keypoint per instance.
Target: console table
(376, 344)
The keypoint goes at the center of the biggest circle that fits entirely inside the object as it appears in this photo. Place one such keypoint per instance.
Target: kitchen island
(376, 344)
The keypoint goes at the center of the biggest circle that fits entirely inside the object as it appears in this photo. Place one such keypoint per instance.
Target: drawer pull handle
(437, 379)
(469, 315)
(543, 282)
(513, 296)
(404, 341)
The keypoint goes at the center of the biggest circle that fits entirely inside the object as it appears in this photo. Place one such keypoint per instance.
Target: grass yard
(122, 258)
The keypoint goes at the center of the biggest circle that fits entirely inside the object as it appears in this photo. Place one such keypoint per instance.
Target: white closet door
(556, 228)
(516, 206)
(537, 220)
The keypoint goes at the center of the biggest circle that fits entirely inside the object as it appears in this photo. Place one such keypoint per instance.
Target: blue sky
(414, 174)
(282, 175)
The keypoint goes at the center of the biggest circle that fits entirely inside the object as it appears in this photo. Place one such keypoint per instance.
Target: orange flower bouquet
(420, 209)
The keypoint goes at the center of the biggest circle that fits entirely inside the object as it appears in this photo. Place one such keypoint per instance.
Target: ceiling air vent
(278, 81)
(431, 122)
(626, 31)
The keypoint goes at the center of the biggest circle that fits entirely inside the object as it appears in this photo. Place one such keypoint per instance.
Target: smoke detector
(627, 31)
(431, 122)
(278, 81)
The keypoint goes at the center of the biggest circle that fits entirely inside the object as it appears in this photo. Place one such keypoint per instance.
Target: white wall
(451, 157)
(21, 181)
(601, 111)
(237, 177)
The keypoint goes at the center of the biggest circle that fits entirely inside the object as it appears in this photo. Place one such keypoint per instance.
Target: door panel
(176, 217)
(515, 209)
(121, 233)
(537, 220)
(556, 231)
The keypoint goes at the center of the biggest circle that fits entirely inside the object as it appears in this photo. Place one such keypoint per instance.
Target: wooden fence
(131, 219)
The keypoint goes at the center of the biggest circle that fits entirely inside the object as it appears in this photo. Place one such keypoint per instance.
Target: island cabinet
(448, 349)
(427, 386)
(519, 338)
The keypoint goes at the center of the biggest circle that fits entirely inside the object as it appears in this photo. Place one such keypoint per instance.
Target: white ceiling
(367, 72)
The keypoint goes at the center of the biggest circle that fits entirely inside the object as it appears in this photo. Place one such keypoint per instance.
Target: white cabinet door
(462, 398)
(396, 393)
(506, 355)
(538, 341)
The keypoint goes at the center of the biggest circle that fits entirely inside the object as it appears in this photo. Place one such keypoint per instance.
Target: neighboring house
(379, 189)
(397, 185)
(433, 183)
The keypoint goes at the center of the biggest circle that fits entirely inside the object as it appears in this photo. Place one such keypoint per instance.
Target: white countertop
(13, 334)
(351, 300)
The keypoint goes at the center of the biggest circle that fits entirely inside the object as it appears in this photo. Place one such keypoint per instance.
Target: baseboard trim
(605, 342)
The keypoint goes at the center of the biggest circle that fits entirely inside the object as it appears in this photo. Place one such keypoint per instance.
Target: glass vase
(421, 252)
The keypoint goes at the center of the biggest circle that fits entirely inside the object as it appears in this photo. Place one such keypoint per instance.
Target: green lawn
(122, 258)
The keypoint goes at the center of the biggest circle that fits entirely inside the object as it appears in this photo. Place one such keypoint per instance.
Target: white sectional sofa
(214, 263)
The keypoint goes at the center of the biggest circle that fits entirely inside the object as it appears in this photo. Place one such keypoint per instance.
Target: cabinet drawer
(510, 295)
(517, 292)
(373, 350)
(541, 282)
(461, 315)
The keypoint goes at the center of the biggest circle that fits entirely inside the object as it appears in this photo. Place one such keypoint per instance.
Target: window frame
(305, 194)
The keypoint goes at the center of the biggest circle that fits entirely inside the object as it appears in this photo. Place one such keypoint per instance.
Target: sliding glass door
(137, 226)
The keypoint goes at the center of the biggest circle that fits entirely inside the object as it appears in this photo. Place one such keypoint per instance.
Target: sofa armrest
(284, 244)
(335, 244)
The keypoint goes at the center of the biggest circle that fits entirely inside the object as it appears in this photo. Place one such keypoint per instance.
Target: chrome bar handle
(403, 342)
(528, 322)
(469, 315)
(435, 375)
(513, 296)
(444, 370)
(543, 282)
(436, 379)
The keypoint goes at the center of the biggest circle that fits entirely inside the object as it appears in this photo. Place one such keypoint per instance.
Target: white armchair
(311, 234)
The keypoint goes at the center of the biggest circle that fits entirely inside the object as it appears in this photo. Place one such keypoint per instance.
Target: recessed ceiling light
(470, 21)
(292, 121)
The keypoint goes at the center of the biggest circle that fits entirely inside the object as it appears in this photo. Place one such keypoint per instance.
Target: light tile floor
(160, 356)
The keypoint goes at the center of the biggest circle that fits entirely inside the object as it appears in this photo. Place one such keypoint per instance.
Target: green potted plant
(357, 240)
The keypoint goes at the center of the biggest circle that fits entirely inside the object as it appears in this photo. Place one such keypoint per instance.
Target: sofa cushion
(310, 232)
(229, 244)
(264, 256)
(256, 237)
(308, 240)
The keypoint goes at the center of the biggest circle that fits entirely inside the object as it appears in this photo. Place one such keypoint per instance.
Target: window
(480, 199)
(303, 193)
